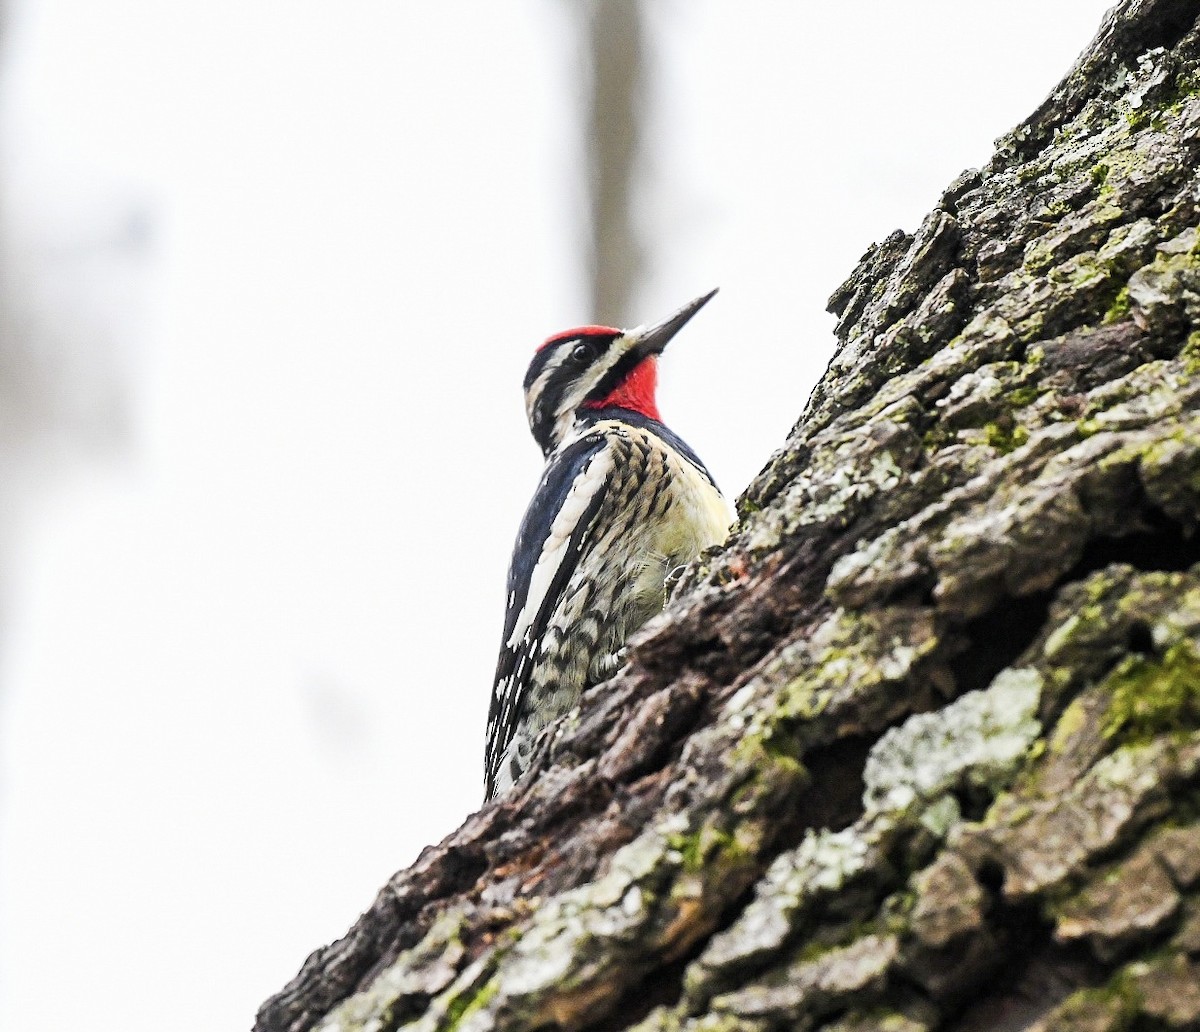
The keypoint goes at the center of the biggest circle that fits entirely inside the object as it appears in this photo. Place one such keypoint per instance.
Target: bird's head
(595, 367)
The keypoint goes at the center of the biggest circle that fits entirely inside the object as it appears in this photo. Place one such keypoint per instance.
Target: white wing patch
(591, 480)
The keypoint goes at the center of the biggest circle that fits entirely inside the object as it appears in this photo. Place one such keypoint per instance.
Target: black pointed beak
(652, 341)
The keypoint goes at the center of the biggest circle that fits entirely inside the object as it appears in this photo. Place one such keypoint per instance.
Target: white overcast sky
(306, 250)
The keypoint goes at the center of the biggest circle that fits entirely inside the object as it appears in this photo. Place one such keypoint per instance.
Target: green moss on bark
(1152, 695)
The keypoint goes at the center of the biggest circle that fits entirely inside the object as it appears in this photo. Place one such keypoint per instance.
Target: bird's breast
(665, 512)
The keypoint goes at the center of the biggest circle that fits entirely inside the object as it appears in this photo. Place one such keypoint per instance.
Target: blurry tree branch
(614, 125)
(920, 747)
(66, 315)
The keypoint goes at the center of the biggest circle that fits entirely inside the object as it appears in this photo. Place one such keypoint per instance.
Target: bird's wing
(557, 528)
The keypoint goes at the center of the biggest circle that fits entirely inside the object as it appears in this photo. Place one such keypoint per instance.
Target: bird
(621, 503)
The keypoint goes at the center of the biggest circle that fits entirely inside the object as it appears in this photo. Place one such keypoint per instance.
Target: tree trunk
(919, 748)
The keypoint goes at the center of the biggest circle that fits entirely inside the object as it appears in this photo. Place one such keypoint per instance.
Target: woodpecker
(622, 501)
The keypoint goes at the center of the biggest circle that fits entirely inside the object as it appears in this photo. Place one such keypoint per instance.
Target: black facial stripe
(539, 362)
(615, 376)
(545, 402)
(559, 369)
(542, 419)
(570, 366)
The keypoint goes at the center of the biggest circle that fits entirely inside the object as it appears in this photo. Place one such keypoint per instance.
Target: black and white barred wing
(557, 529)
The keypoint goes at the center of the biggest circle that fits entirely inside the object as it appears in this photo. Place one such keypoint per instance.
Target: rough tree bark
(920, 747)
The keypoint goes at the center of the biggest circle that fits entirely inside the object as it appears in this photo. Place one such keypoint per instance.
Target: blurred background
(270, 276)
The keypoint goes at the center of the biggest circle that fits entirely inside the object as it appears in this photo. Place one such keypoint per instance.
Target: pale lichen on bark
(920, 747)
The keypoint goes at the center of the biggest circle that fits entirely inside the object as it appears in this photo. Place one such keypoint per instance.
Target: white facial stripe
(616, 351)
(565, 414)
(590, 480)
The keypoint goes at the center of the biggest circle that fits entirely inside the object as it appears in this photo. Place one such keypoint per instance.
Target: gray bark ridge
(919, 748)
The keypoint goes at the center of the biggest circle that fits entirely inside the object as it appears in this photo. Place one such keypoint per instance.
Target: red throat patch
(636, 392)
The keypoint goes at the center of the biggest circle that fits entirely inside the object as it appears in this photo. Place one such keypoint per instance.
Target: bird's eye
(581, 352)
